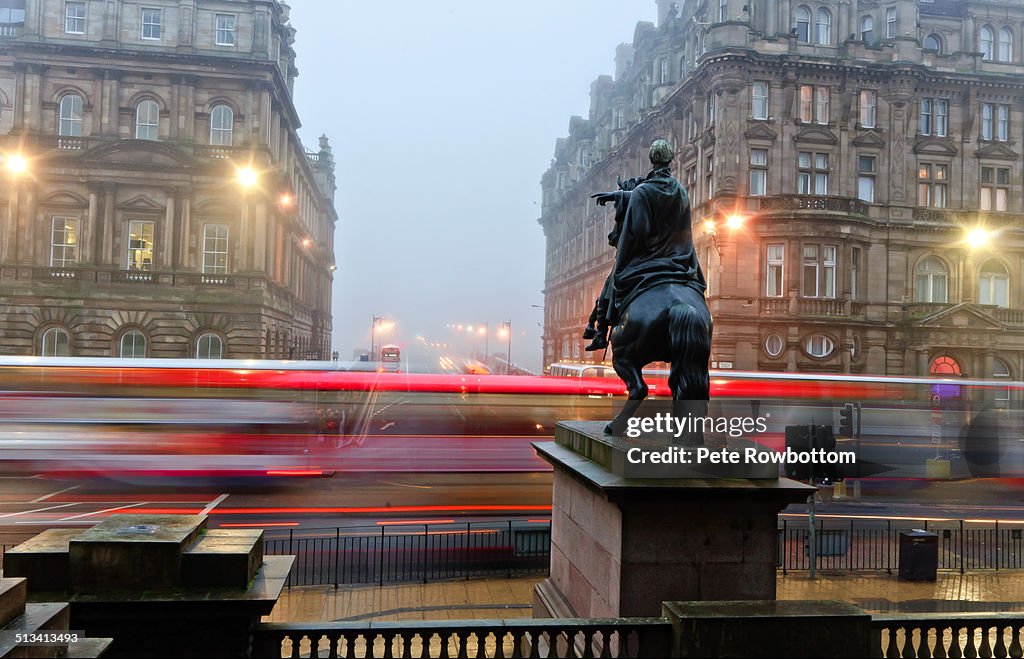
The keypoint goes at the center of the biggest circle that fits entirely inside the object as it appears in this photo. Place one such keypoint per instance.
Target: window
(74, 18)
(819, 345)
(821, 98)
(867, 28)
(1005, 45)
(866, 170)
(663, 70)
(215, 249)
(933, 42)
(209, 346)
(932, 179)
(222, 121)
(855, 273)
(225, 29)
(70, 116)
(776, 271)
(140, 245)
(12, 12)
(133, 345)
(868, 108)
(985, 40)
(890, 23)
(709, 176)
(711, 109)
(147, 120)
(682, 67)
(824, 27)
(995, 122)
(55, 343)
(993, 285)
(1003, 123)
(814, 104)
(1001, 371)
(758, 172)
(723, 11)
(773, 345)
(151, 24)
(63, 242)
(995, 188)
(933, 117)
(931, 281)
(819, 271)
(812, 177)
(944, 366)
(803, 24)
(759, 100)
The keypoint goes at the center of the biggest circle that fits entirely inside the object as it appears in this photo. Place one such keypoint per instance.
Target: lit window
(140, 245)
(215, 249)
(55, 343)
(819, 345)
(868, 108)
(931, 281)
(74, 18)
(147, 120)
(995, 188)
(225, 29)
(222, 123)
(70, 116)
(133, 345)
(944, 366)
(63, 242)
(993, 285)
(209, 346)
(151, 24)
(773, 345)
(932, 182)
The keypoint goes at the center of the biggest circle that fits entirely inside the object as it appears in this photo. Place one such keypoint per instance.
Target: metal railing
(851, 545)
(569, 637)
(415, 553)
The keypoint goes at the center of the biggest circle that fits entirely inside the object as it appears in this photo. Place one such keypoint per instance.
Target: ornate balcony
(968, 217)
(798, 202)
(832, 308)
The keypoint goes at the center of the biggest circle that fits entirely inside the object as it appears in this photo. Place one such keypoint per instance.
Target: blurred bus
(390, 358)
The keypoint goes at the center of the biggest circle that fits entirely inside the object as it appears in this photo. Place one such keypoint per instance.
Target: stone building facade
(855, 172)
(156, 200)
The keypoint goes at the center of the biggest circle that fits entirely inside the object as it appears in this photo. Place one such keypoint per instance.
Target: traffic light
(846, 421)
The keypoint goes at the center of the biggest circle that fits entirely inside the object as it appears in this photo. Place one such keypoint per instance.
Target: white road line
(108, 510)
(38, 510)
(213, 504)
(53, 494)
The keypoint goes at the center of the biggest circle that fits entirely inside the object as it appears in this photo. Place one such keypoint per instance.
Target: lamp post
(506, 328)
(373, 336)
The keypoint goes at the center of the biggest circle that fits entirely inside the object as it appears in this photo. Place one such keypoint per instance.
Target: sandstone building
(855, 172)
(155, 199)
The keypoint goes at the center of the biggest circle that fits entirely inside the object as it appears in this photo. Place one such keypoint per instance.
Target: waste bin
(919, 555)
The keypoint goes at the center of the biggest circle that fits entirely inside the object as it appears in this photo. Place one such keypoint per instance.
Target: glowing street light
(978, 238)
(247, 177)
(285, 200)
(734, 222)
(307, 242)
(16, 164)
(709, 226)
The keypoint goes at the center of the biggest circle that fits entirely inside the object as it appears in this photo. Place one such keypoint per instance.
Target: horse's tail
(690, 334)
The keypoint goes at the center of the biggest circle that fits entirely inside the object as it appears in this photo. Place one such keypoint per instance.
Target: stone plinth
(43, 560)
(223, 558)
(769, 629)
(622, 546)
(133, 551)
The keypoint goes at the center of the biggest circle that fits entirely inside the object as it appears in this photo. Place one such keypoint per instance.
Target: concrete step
(41, 617)
(89, 648)
(43, 560)
(223, 558)
(12, 599)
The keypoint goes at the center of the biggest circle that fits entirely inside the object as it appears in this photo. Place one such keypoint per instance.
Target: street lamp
(15, 164)
(978, 238)
(506, 333)
(247, 177)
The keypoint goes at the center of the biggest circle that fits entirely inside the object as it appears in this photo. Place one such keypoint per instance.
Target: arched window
(986, 40)
(824, 25)
(70, 116)
(682, 67)
(209, 346)
(994, 284)
(819, 345)
(933, 42)
(773, 345)
(1005, 45)
(663, 74)
(1001, 371)
(133, 345)
(931, 281)
(147, 120)
(222, 124)
(867, 28)
(55, 343)
(803, 24)
(944, 366)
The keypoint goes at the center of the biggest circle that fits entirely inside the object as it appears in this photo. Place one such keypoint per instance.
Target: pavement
(511, 598)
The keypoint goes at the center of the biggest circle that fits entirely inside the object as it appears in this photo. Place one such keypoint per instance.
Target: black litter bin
(919, 555)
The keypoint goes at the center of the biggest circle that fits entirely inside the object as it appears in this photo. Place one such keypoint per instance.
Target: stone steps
(88, 648)
(42, 617)
(12, 599)
(222, 558)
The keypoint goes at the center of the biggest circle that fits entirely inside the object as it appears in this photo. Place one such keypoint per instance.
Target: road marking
(213, 504)
(387, 425)
(107, 510)
(53, 494)
(417, 487)
(38, 510)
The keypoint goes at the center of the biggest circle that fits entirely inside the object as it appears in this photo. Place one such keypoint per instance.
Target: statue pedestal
(621, 546)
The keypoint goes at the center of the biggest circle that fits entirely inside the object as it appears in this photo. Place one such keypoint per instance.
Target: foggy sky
(443, 116)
